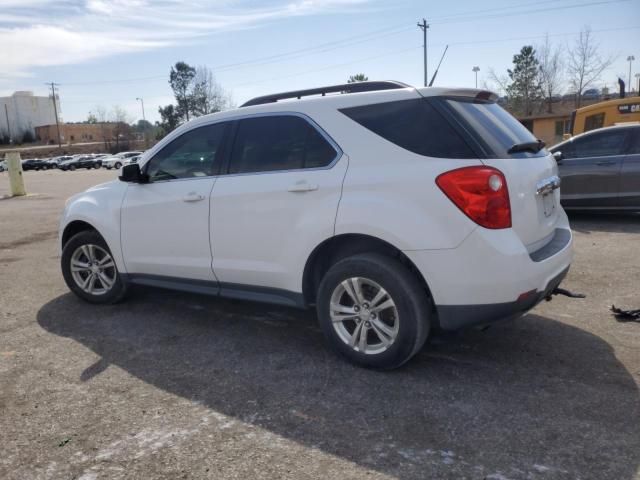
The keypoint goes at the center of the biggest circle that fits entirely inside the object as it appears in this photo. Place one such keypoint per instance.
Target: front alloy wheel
(93, 269)
(89, 269)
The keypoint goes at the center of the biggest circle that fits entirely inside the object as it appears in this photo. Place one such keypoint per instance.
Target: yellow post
(14, 165)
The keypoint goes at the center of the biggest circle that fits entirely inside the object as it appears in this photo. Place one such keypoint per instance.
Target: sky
(104, 53)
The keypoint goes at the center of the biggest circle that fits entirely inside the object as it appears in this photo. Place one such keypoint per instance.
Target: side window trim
(217, 162)
(234, 132)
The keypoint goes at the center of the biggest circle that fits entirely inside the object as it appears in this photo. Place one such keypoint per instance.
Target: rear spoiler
(476, 94)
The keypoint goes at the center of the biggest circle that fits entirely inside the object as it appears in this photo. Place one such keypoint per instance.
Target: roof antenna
(436, 72)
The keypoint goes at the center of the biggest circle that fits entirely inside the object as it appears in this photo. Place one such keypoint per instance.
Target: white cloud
(37, 33)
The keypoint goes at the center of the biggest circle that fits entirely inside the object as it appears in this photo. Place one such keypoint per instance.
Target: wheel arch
(73, 228)
(341, 246)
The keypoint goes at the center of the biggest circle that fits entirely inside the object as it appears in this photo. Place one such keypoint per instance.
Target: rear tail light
(481, 193)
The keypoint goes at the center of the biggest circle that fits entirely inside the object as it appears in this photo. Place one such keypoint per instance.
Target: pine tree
(524, 91)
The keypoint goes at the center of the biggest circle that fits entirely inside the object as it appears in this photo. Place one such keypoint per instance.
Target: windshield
(494, 127)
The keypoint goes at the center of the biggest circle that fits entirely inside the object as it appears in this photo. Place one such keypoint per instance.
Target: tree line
(540, 74)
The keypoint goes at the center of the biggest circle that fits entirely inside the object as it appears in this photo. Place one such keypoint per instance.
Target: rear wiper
(534, 147)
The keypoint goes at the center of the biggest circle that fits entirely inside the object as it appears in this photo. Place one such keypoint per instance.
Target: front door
(277, 201)
(590, 169)
(165, 223)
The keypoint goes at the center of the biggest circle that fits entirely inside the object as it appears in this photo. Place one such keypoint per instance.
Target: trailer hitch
(566, 293)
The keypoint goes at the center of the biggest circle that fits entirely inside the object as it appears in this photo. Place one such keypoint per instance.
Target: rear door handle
(303, 186)
(192, 197)
(606, 162)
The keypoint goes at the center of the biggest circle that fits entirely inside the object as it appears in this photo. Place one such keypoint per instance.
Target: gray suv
(600, 169)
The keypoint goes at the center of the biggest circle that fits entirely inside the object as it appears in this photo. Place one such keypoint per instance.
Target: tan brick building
(83, 132)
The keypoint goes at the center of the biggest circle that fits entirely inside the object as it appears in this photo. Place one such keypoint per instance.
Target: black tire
(409, 296)
(117, 165)
(97, 165)
(90, 237)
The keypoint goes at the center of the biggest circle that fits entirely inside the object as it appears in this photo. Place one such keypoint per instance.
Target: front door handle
(605, 162)
(192, 197)
(303, 186)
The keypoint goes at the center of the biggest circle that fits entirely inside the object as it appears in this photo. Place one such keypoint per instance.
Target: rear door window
(278, 142)
(414, 125)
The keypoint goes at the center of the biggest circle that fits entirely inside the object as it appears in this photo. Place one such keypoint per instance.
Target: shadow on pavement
(534, 398)
(584, 222)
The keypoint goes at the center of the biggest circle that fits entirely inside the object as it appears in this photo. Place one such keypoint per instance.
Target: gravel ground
(171, 385)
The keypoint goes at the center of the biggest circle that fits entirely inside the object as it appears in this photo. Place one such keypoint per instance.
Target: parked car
(55, 161)
(600, 169)
(31, 164)
(118, 160)
(394, 211)
(591, 94)
(81, 161)
(3, 165)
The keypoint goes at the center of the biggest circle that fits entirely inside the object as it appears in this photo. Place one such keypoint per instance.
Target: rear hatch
(504, 143)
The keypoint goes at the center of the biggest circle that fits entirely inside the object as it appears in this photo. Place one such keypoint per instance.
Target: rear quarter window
(414, 125)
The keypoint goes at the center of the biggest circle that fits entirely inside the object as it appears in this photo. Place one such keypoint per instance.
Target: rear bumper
(454, 317)
(484, 278)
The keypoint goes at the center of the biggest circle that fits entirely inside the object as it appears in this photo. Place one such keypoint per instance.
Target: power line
(365, 37)
(394, 52)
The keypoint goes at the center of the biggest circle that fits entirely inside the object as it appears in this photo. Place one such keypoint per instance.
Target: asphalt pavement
(174, 385)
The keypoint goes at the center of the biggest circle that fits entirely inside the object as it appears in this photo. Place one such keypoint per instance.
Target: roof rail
(344, 88)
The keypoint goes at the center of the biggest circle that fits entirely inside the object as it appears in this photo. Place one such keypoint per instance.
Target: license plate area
(549, 204)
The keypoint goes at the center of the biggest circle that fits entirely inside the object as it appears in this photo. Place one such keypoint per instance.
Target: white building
(24, 111)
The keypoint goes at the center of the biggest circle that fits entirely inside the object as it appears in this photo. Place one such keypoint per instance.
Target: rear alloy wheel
(373, 310)
(364, 315)
(97, 165)
(89, 269)
(117, 165)
(72, 168)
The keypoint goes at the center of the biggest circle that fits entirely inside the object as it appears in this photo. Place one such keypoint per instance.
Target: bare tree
(585, 64)
(207, 96)
(121, 119)
(551, 70)
(495, 82)
(101, 117)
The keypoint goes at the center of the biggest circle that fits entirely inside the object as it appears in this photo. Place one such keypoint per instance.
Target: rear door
(630, 174)
(277, 200)
(591, 167)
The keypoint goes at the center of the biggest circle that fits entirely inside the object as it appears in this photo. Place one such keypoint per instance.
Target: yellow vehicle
(605, 114)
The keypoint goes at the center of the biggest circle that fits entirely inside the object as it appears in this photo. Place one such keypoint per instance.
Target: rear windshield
(446, 127)
(493, 126)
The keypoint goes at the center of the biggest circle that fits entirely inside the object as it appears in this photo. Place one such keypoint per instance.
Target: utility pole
(55, 110)
(144, 132)
(6, 114)
(424, 26)
(638, 91)
(476, 70)
(141, 100)
(630, 59)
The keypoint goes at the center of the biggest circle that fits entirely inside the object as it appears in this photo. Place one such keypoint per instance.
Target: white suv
(118, 160)
(393, 210)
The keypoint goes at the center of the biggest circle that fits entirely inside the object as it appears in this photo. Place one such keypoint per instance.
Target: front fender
(99, 207)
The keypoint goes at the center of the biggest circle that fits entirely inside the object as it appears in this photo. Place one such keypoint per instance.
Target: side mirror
(558, 156)
(131, 173)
